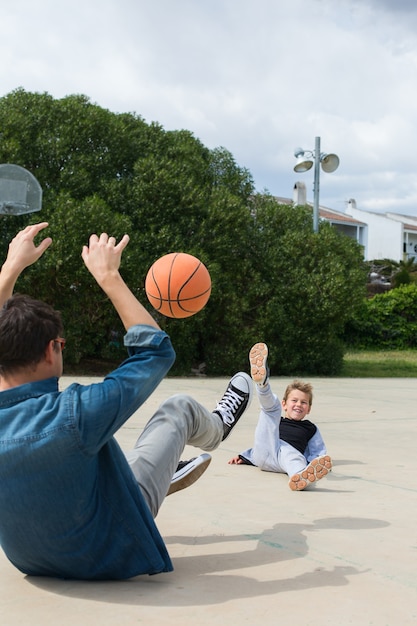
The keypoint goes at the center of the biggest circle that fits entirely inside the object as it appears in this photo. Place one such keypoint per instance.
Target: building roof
(327, 214)
(410, 227)
(337, 216)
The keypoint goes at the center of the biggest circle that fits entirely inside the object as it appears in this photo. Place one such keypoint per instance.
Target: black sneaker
(235, 401)
(188, 472)
(258, 359)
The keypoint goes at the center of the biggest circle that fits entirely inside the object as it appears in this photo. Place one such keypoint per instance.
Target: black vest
(298, 434)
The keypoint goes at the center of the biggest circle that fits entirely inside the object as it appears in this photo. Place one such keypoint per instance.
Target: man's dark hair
(26, 328)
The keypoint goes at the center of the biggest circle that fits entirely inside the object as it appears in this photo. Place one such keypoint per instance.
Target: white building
(388, 235)
(382, 235)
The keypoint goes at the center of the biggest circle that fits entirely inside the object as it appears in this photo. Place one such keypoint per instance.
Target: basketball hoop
(20, 192)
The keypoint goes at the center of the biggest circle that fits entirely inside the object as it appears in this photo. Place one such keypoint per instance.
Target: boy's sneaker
(188, 472)
(235, 401)
(258, 359)
(318, 468)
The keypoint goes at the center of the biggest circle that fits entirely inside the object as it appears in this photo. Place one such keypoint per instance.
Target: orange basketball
(178, 285)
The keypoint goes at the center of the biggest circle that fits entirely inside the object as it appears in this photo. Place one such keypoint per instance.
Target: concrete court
(248, 550)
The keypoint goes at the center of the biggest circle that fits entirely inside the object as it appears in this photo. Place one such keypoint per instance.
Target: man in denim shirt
(72, 504)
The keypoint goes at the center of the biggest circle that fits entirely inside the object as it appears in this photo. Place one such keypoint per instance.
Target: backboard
(20, 192)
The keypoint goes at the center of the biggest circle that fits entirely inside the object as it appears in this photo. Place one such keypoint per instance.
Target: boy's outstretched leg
(318, 468)
(258, 359)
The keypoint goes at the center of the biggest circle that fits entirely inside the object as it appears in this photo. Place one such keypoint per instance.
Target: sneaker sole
(316, 470)
(190, 475)
(257, 358)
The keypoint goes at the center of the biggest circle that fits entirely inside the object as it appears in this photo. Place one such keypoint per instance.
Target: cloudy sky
(259, 77)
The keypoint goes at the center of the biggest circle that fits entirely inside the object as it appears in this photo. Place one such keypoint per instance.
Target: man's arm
(102, 258)
(22, 253)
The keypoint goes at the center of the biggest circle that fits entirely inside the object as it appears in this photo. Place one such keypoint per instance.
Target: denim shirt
(69, 504)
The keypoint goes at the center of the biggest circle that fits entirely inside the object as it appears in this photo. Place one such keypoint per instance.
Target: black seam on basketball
(181, 301)
(177, 301)
(199, 295)
(169, 284)
(159, 296)
(186, 283)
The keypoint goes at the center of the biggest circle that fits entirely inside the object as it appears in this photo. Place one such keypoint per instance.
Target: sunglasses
(62, 342)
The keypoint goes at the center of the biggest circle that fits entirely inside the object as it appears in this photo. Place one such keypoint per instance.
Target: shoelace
(182, 464)
(228, 405)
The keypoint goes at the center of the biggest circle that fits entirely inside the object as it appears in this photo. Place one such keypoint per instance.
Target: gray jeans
(178, 422)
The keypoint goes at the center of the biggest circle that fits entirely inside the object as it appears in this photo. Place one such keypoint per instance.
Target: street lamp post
(305, 160)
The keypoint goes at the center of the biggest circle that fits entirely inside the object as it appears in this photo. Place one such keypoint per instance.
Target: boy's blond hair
(300, 386)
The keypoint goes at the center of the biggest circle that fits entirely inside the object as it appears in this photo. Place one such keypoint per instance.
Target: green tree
(308, 287)
(404, 272)
(273, 279)
(61, 279)
(73, 145)
(386, 321)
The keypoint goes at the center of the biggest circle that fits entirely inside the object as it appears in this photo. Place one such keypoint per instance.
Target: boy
(289, 444)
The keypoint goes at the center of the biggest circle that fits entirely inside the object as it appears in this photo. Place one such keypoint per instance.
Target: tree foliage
(386, 321)
(273, 279)
(308, 286)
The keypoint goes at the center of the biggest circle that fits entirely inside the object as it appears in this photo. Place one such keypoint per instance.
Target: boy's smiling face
(297, 405)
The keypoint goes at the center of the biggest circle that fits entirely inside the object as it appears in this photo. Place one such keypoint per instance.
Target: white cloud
(256, 76)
